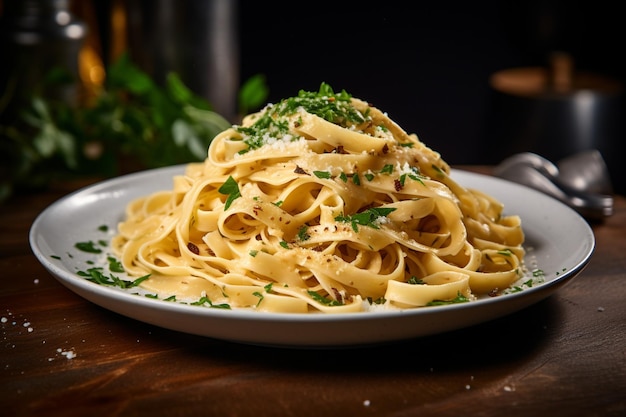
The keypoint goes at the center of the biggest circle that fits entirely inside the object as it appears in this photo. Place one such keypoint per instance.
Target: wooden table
(64, 356)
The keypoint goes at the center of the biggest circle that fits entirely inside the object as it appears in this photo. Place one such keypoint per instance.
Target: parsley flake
(230, 189)
(369, 217)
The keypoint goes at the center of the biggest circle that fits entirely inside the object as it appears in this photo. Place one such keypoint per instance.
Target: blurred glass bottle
(39, 40)
(197, 39)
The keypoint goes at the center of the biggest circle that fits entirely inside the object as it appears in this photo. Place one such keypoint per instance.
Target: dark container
(557, 115)
(36, 38)
(197, 39)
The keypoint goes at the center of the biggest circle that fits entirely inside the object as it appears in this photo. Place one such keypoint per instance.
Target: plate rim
(80, 285)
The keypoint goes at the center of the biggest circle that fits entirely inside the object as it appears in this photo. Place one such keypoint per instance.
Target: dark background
(426, 63)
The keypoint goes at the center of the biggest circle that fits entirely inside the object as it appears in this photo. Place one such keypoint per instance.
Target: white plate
(559, 242)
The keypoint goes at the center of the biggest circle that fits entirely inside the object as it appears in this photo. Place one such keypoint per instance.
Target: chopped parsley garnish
(416, 281)
(267, 288)
(379, 300)
(89, 247)
(440, 172)
(231, 190)
(115, 265)
(370, 217)
(460, 298)
(96, 275)
(325, 103)
(261, 297)
(518, 288)
(322, 174)
(206, 300)
(334, 107)
(387, 169)
(323, 300)
(302, 233)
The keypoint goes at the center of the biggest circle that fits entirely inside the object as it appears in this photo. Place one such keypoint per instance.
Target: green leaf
(184, 135)
(89, 247)
(58, 76)
(322, 174)
(178, 89)
(387, 169)
(115, 265)
(207, 121)
(253, 94)
(131, 119)
(460, 298)
(323, 300)
(231, 189)
(367, 218)
(124, 74)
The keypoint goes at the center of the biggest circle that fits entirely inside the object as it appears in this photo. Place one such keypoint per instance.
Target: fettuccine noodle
(320, 203)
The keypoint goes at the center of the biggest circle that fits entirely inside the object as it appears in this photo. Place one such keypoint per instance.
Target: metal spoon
(537, 172)
(586, 171)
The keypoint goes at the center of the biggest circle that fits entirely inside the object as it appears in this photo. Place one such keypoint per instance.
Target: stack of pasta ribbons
(320, 203)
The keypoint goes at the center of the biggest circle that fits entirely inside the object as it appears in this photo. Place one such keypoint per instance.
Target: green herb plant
(132, 123)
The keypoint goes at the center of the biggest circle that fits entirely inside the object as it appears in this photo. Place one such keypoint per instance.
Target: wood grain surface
(64, 356)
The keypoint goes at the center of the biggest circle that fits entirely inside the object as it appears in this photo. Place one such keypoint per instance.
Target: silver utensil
(580, 181)
(586, 171)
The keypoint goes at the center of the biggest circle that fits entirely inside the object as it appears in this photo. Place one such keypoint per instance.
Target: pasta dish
(320, 203)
